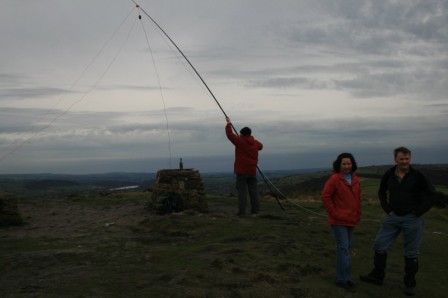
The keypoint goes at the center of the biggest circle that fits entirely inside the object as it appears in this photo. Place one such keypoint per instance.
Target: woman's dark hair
(337, 162)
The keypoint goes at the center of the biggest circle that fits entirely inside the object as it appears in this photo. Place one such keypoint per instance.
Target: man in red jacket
(245, 167)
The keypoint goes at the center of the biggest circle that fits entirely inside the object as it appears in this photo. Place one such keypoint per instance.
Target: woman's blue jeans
(343, 237)
(412, 228)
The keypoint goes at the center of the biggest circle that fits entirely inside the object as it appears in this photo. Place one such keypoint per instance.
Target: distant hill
(287, 181)
(436, 173)
(56, 185)
(314, 182)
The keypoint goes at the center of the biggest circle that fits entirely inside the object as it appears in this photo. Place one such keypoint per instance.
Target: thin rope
(160, 89)
(222, 110)
(205, 84)
(32, 129)
(183, 63)
(309, 210)
(185, 57)
(75, 102)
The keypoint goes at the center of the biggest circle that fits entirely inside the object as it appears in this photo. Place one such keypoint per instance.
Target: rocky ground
(115, 246)
(81, 247)
(60, 242)
(69, 218)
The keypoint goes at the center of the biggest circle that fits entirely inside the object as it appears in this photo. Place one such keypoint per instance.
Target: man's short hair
(246, 131)
(403, 150)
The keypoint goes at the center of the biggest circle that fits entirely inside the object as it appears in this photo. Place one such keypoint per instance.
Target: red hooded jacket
(342, 201)
(246, 152)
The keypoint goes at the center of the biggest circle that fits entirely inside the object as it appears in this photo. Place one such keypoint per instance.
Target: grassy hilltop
(114, 246)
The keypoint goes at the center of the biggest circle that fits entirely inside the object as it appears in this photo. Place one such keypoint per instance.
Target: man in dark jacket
(405, 195)
(245, 166)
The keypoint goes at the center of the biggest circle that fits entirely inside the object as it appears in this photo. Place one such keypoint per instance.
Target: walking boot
(410, 270)
(376, 276)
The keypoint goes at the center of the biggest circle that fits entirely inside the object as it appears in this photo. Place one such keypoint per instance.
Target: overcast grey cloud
(85, 86)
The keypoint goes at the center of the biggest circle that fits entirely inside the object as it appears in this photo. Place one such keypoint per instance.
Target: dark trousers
(247, 184)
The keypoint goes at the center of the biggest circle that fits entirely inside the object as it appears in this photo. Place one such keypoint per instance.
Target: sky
(87, 86)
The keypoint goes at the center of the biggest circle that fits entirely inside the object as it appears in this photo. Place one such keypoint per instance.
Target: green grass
(369, 187)
(443, 189)
(278, 254)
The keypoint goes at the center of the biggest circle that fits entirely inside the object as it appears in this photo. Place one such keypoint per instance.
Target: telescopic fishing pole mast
(206, 86)
(180, 51)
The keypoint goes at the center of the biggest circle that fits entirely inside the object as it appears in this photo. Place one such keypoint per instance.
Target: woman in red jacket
(342, 200)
